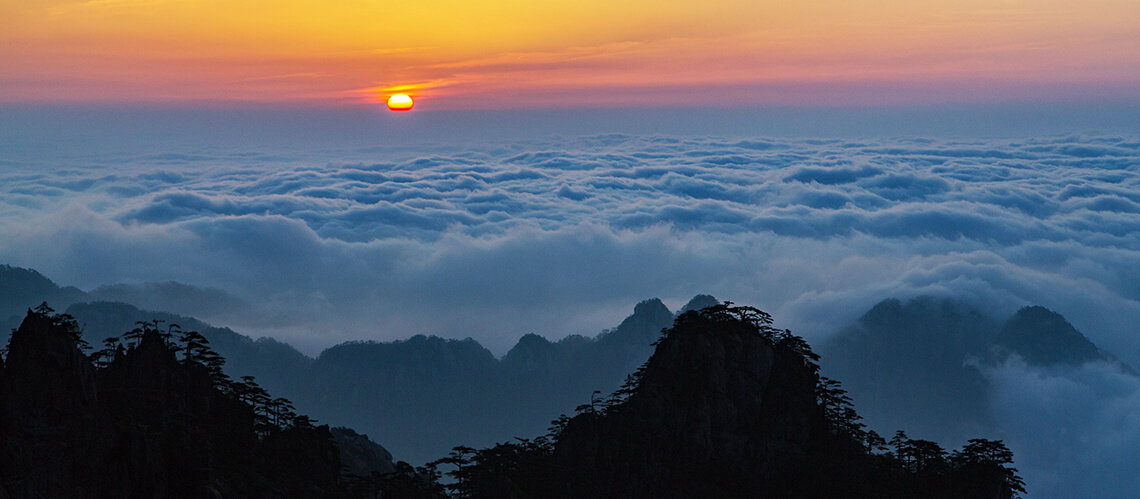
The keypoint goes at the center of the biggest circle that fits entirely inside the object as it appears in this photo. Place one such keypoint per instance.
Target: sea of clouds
(496, 240)
(563, 235)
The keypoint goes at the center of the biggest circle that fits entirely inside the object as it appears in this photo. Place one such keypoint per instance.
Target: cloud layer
(500, 239)
(1075, 430)
(563, 235)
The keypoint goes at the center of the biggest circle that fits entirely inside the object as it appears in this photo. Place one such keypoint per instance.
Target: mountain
(1043, 337)
(910, 365)
(182, 299)
(699, 302)
(22, 289)
(404, 393)
(906, 364)
(277, 366)
(718, 411)
(726, 406)
(147, 418)
(413, 395)
(915, 365)
(401, 392)
(725, 403)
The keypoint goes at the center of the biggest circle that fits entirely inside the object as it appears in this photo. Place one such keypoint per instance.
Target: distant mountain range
(19, 287)
(918, 365)
(910, 365)
(404, 394)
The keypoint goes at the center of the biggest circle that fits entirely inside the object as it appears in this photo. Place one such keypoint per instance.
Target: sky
(511, 54)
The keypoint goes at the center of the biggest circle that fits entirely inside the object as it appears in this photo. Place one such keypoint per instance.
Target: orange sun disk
(400, 102)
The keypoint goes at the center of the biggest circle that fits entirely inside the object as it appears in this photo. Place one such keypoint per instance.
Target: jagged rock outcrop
(157, 417)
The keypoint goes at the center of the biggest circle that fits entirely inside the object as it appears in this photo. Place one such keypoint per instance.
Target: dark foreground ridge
(153, 415)
(727, 406)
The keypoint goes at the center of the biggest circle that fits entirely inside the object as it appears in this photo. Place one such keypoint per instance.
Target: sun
(400, 102)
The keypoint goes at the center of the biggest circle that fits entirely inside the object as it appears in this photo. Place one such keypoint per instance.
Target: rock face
(718, 413)
(155, 413)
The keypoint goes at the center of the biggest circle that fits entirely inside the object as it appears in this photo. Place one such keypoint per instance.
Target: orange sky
(458, 54)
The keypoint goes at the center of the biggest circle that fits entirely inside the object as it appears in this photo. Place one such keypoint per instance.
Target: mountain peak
(716, 392)
(21, 288)
(649, 307)
(45, 368)
(532, 352)
(699, 302)
(1042, 337)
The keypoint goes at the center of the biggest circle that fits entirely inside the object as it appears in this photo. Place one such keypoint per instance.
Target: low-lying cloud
(501, 239)
(1075, 430)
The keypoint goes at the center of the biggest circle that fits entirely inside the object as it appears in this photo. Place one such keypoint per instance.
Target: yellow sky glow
(455, 54)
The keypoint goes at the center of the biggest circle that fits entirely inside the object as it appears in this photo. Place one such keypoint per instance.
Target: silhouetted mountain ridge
(177, 298)
(151, 416)
(726, 406)
(22, 289)
(409, 382)
(908, 364)
(277, 365)
(403, 393)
